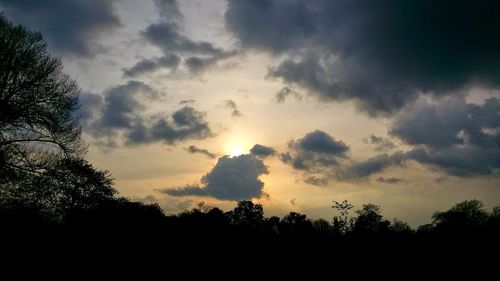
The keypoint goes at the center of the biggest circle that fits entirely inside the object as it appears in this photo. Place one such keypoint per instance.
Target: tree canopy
(41, 150)
(37, 101)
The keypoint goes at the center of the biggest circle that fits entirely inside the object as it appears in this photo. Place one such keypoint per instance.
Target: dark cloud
(285, 92)
(122, 103)
(232, 178)
(382, 54)
(121, 118)
(449, 134)
(315, 152)
(72, 27)
(317, 181)
(320, 154)
(459, 160)
(198, 64)
(166, 36)
(170, 62)
(390, 180)
(184, 124)
(363, 169)
(118, 110)
(448, 122)
(230, 104)
(321, 142)
(262, 151)
(196, 56)
(381, 144)
(168, 9)
(90, 105)
(195, 149)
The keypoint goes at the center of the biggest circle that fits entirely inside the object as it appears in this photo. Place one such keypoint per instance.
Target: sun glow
(238, 144)
(235, 150)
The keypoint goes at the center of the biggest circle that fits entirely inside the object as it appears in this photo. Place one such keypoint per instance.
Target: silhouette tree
(322, 227)
(341, 225)
(401, 227)
(36, 105)
(370, 221)
(41, 151)
(204, 207)
(247, 214)
(272, 224)
(295, 224)
(463, 217)
(67, 185)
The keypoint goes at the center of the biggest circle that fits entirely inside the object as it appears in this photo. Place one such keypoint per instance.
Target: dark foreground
(464, 238)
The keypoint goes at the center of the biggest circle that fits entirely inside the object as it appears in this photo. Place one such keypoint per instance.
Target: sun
(235, 150)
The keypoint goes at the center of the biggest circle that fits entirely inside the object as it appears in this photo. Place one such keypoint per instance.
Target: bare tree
(341, 223)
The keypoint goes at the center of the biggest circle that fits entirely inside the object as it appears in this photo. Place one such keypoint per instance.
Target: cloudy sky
(292, 103)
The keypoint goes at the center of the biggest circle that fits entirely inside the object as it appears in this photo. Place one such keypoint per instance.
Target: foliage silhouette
(37, 101)
(370, 221)
(41, 151)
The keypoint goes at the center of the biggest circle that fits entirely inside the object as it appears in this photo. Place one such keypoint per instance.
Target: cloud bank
(381, 54)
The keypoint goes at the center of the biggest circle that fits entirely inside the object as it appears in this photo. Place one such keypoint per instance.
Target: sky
(290, 104)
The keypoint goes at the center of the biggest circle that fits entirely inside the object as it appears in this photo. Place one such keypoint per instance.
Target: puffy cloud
(315, 152)
(196, 56)
(321, 142)
(452, 135)
(321, 158)
(318, 181)
(448, 122)
(120, 114)
(448, 135)
(259, 150)
(71, 26)
(382, 54)
(232, 178)
(121, 104)
(185, 124)
(194, 149)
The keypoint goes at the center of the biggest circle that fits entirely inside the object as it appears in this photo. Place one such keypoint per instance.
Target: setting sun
(235, 150)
